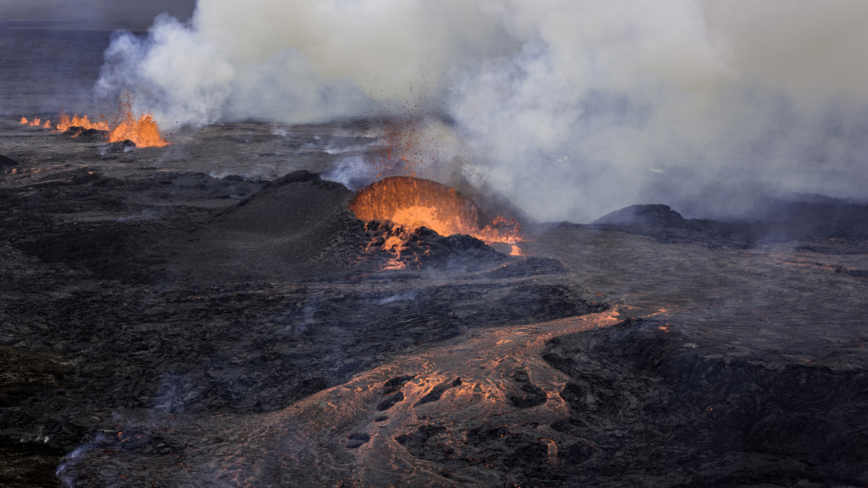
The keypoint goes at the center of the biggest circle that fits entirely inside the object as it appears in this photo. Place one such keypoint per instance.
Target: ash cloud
(570, 108)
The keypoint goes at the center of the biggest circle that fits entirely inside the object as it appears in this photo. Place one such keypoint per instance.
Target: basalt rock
(390, 401)
(653, 215)
(81, 134)
(812, 225)
(357, 440)
(150, 318)
(7, 163)
(437, 392)
(723, 419)
(527, 394)
(395, 384)
(120, 147)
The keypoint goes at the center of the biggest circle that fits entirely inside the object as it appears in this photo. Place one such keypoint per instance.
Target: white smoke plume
(572, 108)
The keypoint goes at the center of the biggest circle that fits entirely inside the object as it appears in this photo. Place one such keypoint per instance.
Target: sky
(109, 14)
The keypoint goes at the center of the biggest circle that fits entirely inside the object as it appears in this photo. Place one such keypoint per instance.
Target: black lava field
(214, 314)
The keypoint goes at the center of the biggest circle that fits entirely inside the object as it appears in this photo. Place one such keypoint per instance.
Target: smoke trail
(573, 108)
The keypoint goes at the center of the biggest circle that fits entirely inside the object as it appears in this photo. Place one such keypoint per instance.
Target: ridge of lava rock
(656, 215)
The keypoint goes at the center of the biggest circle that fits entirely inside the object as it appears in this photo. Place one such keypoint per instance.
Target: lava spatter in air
(402, 149)
(142, 131)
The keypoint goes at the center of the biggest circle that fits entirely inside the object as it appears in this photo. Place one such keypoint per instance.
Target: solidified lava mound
(296, 227)
(812, 225)
(661, 215)
(301, 227)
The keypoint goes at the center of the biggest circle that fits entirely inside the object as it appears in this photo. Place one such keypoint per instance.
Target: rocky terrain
(212, 314)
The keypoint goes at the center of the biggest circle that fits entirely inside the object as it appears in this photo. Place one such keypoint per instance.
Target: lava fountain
(413, 202)
(143, 131)
(84, 122)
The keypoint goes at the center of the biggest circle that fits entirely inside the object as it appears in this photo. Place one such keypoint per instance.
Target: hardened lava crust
(166, 323)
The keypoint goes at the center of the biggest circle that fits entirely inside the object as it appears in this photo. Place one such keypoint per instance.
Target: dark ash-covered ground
(210, 313)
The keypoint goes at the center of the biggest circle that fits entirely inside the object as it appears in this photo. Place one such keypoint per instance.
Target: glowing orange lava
(84, 122)
(395, 243)
(143, 131)
(414, 202)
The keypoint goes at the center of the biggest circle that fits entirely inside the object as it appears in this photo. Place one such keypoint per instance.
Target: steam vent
(220, 267)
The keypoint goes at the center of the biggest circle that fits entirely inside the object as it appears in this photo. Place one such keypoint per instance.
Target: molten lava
(84, 122)
(414, 202)
(144, 132)
(35, 123)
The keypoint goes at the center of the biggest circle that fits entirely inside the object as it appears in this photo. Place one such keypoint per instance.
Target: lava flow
(414, 202)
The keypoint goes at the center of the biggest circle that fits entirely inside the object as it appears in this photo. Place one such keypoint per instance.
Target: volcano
(168, 323)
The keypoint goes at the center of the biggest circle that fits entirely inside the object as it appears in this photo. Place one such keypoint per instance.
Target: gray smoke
(572, 108)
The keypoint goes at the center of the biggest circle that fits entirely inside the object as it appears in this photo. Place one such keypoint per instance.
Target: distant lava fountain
(143, 131)
(35, 123)
(415, 202)
(84, 122)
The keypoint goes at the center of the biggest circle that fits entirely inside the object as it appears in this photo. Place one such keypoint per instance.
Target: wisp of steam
(572, 108)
